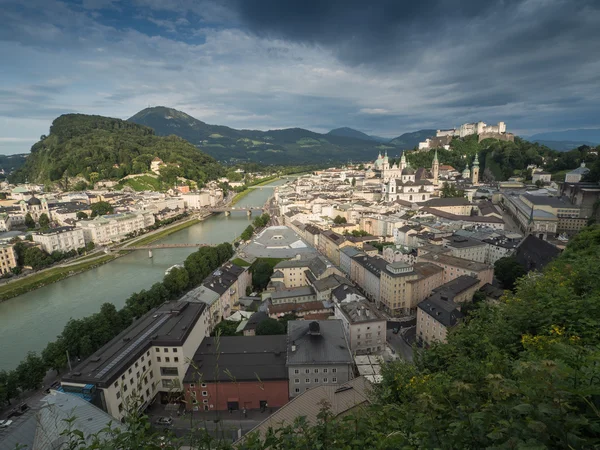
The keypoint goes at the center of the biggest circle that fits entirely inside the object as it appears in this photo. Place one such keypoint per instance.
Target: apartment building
(294, 272)
(62, 239)
(455, 267)
(364, 326)
(467, 248)
(330, 244)
(8, 259)
(317, 355)
(441, 311)
(403, 285)
(150, 357)
(365, 272)
(114, 227)
(346, 255)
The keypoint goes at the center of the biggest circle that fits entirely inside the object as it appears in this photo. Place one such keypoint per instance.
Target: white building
(150, 357)
(114, 227)
(364, 326)
(204, 198)
(63, 239)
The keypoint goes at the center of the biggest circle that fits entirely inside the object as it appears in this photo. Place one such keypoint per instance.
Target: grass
(32, 282)
(143, 183)
(166, 232)
(240, 195)
(271, 261)
(240, 262)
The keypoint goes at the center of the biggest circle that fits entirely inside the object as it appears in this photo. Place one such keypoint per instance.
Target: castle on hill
(483, 131)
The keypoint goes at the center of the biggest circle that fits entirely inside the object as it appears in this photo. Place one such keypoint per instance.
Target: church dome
(408, 171)
(34, 201)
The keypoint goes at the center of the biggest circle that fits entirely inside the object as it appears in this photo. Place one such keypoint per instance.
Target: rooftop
(301, 291)
(278, 242)
(455, 287)
(170, 324)
(441, 258)
(451, 201)
(360, 311)
(444, 311)
(326, 346)
(243, 358)
(463, 242)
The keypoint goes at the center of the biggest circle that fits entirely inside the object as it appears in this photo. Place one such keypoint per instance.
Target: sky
(384, 67)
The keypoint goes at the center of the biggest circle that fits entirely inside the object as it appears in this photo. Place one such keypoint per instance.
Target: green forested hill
(286, 146)
(499, 160)
(80, 145)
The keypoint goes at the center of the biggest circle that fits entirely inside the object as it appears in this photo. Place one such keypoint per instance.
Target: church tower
(435, 168)
(386, 162)
(403, 162)
(475, 171)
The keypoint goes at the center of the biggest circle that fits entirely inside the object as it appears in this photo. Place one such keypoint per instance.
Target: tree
(101, 209)
(539, 183)
(177, 281)
(353, 182)
(55, 355)
(44, 221)
(226, 328)
(9, 386)
(81, 215)
(338, 220)
(37, 258)
(508, 270)
(247, 233)
(93, 177)
(31, 372)
(450, 191)
(269, 327)
(261, 274)
(29, 222)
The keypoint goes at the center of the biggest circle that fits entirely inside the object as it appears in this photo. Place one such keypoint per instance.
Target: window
(324, 370)
(116, 384)
(297, 381)
(169, 371)
(296, 371)
(307, 381)
(324, 380)
(129, 371)
(148, 353)
(145, 380)
(157, 350)
(316, 380)
(333, 370)
(118, 395)
(170, 383)
(192, 385)
(307, 371)
(297, 390)
(334, 380)
(120, 407)
(136, 365)
(142, 358)
(166, 350)
(124, 388)
(123, 377)
(158, 358)
(167, 359)
(316, 370)
(143, 368)
(176, 359)
(204, 393)
(131, 381)
(203, 385)
(174, 349)
(147, 392)
(205, 401)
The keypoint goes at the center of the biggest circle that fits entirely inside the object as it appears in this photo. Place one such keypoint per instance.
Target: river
(30, 321)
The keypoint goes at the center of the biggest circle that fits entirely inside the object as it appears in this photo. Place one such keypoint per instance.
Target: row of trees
(81, 337)
(36, 258)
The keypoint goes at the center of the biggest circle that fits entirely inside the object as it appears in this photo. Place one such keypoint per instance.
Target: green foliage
(101, 209)
(177, 280)
(262, 269)
(269, 327)
(357, 233)
(247, 233)
(81, 215)
(450, 191)
(226, 328)
(44, 221)
(508, 271)
(29, 222)
(261, 221)
(338, 220)
(104, 148)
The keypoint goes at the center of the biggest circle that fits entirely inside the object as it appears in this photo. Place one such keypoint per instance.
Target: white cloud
(374, 111)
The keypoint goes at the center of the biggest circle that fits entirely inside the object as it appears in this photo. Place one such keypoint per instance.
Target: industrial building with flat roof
(150, 356)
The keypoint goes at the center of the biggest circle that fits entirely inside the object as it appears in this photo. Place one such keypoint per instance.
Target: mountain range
(285, 146)
(567, 139)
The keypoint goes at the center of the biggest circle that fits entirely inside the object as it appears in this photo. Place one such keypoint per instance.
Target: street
(402, 349)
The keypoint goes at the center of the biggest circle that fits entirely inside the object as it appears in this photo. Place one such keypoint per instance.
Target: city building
(150, 357)
(481, 129)
(114, 227)
(317, 354)
(237, 373)
(62, 239)
(346, 255)
(542, 177)
(330, 244)
(403, 286)
(365, 272)
(364, 325)
(575, 176)
(467, 248)
(35, 207)
(455, 267)
(8, 259)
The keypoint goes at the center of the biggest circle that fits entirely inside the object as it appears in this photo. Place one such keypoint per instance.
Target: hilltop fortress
(481, 129)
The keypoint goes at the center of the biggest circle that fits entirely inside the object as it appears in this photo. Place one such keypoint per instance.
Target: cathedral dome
(34, 201)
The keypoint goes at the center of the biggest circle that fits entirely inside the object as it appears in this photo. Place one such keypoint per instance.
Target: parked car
(5, 423)
(166, 421)
(395, 330)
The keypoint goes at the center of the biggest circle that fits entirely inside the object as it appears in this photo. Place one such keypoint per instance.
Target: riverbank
(241, 195)
(164, 232)
(52, 275)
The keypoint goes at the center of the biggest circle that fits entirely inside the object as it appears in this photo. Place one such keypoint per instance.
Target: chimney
(293, 346)
(314, 329)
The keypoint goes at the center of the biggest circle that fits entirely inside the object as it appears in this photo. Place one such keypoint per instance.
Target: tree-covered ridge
(106, 148)
(500, 160)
